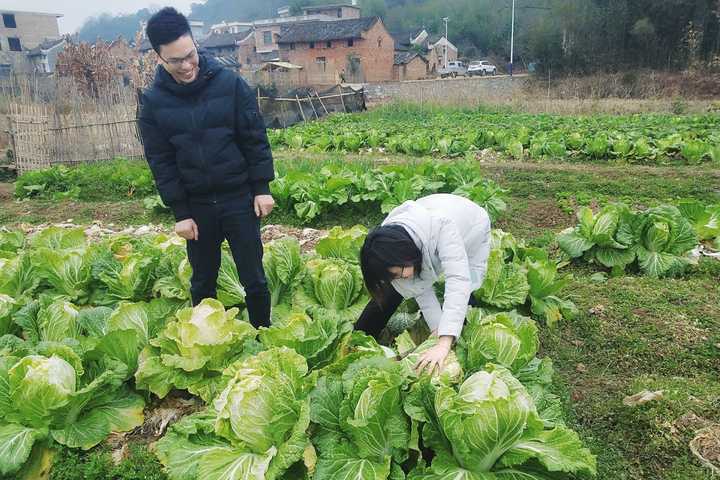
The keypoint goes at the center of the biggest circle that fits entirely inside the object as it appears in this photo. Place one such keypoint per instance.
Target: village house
(410, 66)
(267, 32)
(224, 44)
(22, 31)
(442, 47)
(355, 50)
(432, 47)
(230, 27)
(44, 57)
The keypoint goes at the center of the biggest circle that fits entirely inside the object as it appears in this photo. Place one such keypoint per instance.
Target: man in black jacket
(208, 150)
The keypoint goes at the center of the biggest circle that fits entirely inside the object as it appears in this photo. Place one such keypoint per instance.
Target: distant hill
(570, 35)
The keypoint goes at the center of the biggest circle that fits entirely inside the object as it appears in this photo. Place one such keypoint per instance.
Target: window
(312, 44)
(9, 20)
(379, 42)
(351, 42)
(292, 46)
(267, 38)
(14, 44)
(328, 44)
(339, 13)
(322, 62)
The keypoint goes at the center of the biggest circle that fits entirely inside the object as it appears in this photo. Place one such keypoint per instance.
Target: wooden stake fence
(74, 129)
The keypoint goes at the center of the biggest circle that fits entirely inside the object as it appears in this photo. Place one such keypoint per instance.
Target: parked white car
(481, 67)
(453, 69)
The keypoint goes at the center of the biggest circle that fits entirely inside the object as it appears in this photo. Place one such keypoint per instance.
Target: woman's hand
(435, 356)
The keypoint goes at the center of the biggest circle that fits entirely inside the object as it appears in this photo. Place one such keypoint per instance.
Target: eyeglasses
(176, 62)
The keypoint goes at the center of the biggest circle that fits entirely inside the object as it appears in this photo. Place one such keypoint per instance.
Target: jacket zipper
(202, 151)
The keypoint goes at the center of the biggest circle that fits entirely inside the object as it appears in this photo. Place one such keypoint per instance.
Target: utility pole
(512, 38)
(445, 19)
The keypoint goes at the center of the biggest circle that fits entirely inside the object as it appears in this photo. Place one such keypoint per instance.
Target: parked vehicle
(481, 67)
(453, 69)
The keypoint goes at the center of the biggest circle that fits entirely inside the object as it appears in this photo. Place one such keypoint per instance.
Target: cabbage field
(639, 139)
(594, 352)
(88, 327)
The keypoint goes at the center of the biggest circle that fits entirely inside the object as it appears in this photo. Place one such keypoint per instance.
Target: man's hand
(187, 229)
(435, 356)
(263, 205)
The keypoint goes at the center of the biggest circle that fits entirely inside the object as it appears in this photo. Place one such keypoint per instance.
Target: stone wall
(458, 91)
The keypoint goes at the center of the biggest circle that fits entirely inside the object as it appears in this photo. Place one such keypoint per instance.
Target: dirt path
(6, 191)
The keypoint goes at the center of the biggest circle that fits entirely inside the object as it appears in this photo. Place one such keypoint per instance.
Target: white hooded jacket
(453, 234)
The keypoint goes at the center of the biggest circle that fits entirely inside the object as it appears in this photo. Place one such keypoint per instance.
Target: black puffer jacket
(204, 139)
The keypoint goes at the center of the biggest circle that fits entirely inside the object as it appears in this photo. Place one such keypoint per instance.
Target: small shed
(280, 74)
(409, 66)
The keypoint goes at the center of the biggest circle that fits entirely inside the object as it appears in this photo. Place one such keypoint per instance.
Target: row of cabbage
(331, 188)
(89, 327)
(642, 139)
(659, 241)
(302, 190)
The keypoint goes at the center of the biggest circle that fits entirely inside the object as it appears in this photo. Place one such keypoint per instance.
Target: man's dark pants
(233, 219)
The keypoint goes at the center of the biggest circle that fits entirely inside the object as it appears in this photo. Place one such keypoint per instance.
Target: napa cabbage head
(332, 287)
(192, 351)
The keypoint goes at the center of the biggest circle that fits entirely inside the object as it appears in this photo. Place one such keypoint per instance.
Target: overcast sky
(76, 11)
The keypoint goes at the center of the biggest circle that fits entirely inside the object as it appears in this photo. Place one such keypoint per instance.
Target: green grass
(654, 334)
(642, 334)
(140, 464)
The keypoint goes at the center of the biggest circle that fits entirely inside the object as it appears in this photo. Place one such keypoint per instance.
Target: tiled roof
(46, 45)
(217, 40)
(320, 31)
(402, 58)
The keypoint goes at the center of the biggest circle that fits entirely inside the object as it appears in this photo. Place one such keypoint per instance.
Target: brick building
(442, 46)
(225, 44)
(358, 50)
(22, 31)
(410, 66)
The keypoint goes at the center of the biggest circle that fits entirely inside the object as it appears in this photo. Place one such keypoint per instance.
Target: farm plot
(640, 139)
(88, 327)
(593, 366)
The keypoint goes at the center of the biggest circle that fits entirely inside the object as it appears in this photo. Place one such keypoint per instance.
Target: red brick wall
(260, 37)
(376, 62)
(246, 52)
(416, 69)
(434, 62)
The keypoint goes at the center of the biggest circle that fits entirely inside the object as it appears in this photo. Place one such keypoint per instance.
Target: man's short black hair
(166, 26)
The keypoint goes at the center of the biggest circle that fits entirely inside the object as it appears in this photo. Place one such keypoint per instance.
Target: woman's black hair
(387, 246)
(166, 26)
